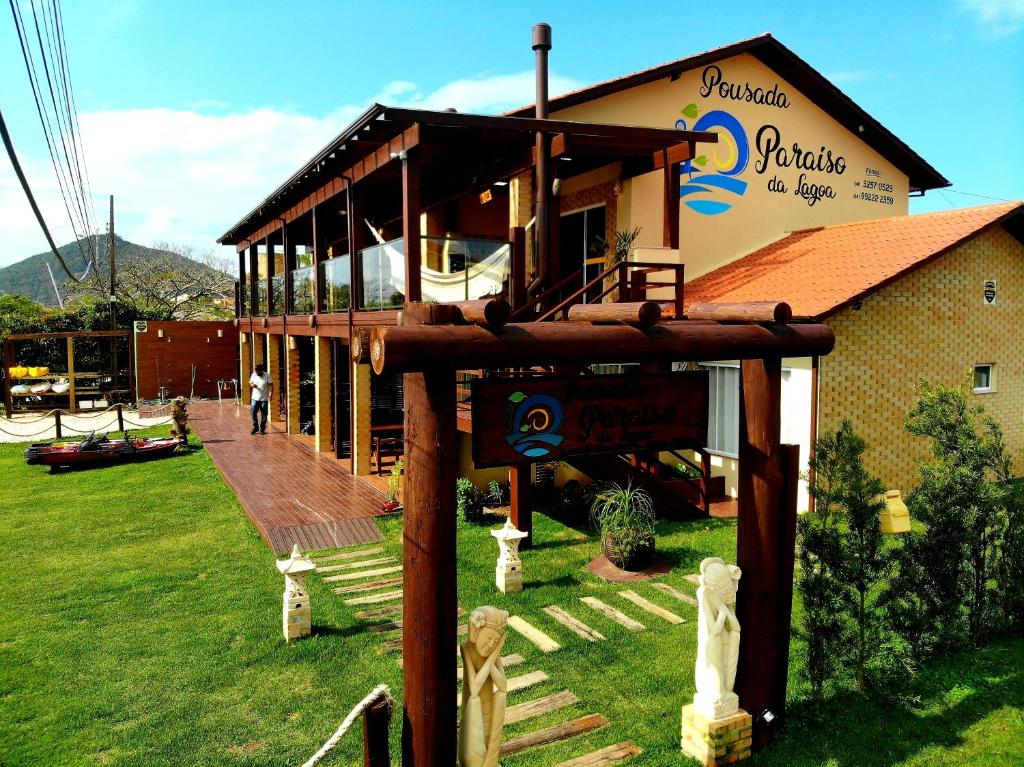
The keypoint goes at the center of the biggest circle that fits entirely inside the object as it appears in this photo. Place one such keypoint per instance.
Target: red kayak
(99, 450)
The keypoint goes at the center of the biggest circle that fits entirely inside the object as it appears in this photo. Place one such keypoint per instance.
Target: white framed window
(724, 409)
(984, 378)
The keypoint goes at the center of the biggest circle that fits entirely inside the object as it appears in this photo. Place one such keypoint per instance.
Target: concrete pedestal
(714, 742)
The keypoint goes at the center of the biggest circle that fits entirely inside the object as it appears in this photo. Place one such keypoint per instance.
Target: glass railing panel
(302, 290)
(335, 287)
(277, 294)
(261, 298)
(464, 270)
(382, 268)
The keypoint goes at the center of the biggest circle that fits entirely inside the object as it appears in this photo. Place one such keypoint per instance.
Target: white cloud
(188, 175)
(996, 18)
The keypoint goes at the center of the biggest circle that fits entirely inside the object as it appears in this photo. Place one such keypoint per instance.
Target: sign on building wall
(988, 292)
(543, 419)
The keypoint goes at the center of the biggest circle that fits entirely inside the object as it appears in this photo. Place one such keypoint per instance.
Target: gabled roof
(819, 271)
(796, 71)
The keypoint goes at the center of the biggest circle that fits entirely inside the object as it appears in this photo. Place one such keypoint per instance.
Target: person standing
(262, 390)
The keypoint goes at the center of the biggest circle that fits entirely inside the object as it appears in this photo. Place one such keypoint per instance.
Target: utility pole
(113, 298)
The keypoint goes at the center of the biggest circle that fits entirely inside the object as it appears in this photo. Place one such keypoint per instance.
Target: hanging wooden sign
(517, 420)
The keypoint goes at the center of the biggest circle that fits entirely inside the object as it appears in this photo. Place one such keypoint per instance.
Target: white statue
(718, 639)
(508, 572)
(484, 688)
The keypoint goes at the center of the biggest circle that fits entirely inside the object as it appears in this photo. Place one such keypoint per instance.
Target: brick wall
(928, 325)
(168, 361)
(600, 194)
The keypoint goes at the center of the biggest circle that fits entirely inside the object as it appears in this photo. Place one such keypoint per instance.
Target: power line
(44, 120)
(28, 194)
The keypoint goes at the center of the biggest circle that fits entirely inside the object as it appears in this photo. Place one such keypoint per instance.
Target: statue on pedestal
(718, 639)
(484, 688)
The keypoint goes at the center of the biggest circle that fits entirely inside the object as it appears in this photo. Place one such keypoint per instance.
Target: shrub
(468, 500)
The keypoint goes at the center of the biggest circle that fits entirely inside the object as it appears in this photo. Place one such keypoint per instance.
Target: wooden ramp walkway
(290, 493)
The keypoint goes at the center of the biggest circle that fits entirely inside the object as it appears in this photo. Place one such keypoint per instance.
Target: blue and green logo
(710, 178)
(534, 423)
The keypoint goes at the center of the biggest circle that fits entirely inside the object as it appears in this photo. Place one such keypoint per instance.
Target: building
(744, 174)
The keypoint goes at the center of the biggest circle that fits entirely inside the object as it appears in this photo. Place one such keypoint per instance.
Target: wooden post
(242, 285)
(429, 580)
(680, 304)
(120, 417)
(705, 478)
(318, 254)
(254, 275)
(761, 538)
(72, 407)
(411, 226)
(376, 718)
(56, 419)
(520, 278)
(8, 381)
(670, 235)
(521, 513)
(271, 271)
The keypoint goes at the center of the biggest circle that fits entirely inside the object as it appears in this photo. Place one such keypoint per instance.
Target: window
(984, 378)
(724, 409)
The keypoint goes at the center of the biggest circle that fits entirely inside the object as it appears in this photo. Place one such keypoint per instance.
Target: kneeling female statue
(484, 688)
(718, 639)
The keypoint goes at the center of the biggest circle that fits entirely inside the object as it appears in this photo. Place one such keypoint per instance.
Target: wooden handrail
(567, 302)
(544, 294)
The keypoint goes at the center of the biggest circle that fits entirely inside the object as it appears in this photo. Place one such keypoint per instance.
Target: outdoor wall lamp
(160, 334)
(220, 333)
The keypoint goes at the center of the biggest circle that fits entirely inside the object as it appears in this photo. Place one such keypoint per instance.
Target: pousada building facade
(738, 174)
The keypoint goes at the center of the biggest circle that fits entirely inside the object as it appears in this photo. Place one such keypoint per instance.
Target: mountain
(30, 278)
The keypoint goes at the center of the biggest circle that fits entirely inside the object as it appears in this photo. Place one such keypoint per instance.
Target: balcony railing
(302, 290)
(335, 284)
(451, 270)
(261, 298)
(277, 294)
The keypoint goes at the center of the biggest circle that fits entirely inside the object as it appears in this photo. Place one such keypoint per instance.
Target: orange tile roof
(818, 271)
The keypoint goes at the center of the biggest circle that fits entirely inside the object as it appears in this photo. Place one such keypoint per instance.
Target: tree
(843, 561)
(180, 283)
(940, 596)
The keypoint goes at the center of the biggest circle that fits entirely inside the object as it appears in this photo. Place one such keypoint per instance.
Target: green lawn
(142, 627)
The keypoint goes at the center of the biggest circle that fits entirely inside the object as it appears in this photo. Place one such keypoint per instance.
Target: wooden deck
(290, 493)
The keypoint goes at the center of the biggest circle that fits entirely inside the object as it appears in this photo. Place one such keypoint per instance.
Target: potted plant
(394, 491)
(624, 518)
(497, 499)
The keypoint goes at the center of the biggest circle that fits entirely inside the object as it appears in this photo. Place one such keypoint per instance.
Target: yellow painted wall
(931, 324)
(756, 215)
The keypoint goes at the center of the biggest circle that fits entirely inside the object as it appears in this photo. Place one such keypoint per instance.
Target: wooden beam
(429, 554)
(778, 312)
(486, 312)
(760, 539)
(673, 155)
(467, 347)
(670, 233)
(411, 226)
(643, 313)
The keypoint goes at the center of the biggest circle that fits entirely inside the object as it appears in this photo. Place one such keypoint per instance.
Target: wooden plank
(612, 613)
(349, 555)
(363, 574)
(606, 756)
(372, 586)
(532, 708)
(523, 681)
(506, 660)
(396, 644)
(571, 623)
(543, 641)
(382, 628)
(682, 596)
(387, 596)
(650, 607)
(380, 612)
(356, 565)
(548, 735)
(693, 578)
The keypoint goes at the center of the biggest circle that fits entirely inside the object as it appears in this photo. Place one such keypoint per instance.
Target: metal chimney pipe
(542, 175)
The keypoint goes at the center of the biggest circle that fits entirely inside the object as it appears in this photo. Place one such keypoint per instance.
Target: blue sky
(193, 111)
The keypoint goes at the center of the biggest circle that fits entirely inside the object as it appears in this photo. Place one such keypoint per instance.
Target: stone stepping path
(363, 587)
(610, 612)
(650, 607)
(620, 752)
(578, 627)
(379, 612)
(532, 708)
(381, 628)
(682, 596)
(506, 660)
(543, 641)
(363, 574)
(553, 734)
(348, 555)
(356, 565)
(396, 644)
(372, 599)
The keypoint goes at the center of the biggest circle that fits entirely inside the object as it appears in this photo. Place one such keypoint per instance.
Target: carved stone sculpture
(296, 613)
(508, 573)
(718, 639)
(484, 688)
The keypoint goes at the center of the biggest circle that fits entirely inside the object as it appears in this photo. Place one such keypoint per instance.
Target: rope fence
(61, 422)
(380, 693)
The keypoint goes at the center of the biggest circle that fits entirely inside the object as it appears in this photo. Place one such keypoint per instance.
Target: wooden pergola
(436, 340)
